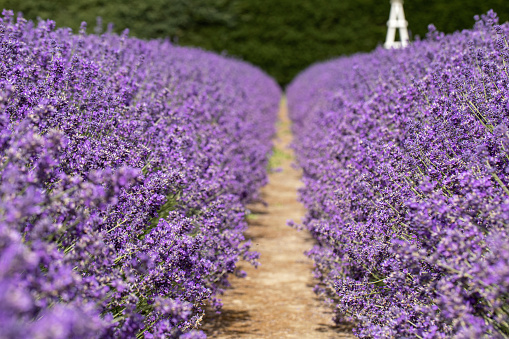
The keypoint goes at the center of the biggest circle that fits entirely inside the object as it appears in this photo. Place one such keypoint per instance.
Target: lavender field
(406, 171)
(125, 169)
(129, 168)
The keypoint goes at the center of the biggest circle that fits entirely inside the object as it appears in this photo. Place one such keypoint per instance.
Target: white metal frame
(396, 21)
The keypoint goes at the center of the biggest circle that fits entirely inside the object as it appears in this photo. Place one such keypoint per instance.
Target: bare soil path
(276, 300)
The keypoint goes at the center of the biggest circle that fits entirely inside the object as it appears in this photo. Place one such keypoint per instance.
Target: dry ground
(276, 300)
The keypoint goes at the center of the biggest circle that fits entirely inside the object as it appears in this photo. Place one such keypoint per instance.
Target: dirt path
(276, 300)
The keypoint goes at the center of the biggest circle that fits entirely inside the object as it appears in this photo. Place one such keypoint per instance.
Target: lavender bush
(406, 171)
(125, 167)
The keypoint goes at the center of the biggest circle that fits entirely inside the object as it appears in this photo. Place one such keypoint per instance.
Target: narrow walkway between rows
(276, 300)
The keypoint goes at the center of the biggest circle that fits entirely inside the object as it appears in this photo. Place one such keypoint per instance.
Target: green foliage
(162, 213)
(281, 36)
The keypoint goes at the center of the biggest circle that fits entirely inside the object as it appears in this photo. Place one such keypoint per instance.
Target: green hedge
(281, 36)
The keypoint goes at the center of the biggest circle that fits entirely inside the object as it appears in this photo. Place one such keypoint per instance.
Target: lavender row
(406, 169)
(125, 168)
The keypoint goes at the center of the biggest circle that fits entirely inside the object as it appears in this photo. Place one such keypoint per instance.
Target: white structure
(396, 21)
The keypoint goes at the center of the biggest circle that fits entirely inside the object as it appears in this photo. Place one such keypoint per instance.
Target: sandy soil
(276, 300)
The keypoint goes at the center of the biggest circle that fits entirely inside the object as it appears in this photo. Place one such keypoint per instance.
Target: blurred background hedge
(281, 36)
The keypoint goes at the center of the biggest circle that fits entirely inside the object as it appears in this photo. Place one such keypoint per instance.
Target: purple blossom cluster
(125, 169)
(405, 158)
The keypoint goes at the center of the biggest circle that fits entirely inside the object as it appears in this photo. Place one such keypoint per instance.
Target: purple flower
(125, 167)
(405, 158)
